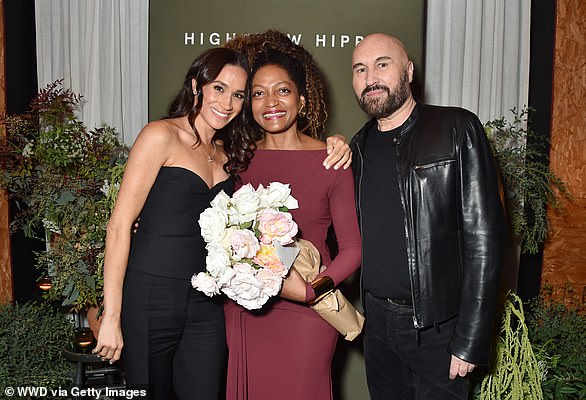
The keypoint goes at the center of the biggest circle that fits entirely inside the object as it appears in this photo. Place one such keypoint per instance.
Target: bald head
(381, 44)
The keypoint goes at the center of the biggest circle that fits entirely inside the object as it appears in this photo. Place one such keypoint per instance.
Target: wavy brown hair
(275, 48)
(234, 136)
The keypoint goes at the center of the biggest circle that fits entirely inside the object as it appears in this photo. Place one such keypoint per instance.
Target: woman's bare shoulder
(156, 141)
(159, 132)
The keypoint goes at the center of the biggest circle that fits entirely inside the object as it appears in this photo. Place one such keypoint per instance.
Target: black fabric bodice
(168, 241)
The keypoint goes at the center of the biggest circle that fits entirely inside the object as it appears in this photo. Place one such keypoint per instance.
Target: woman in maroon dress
(284, 351)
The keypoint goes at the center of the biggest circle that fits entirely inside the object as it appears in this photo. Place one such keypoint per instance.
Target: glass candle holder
(84, 340)
(45, 284)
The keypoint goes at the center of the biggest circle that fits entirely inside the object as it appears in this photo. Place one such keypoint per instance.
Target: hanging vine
(515, 373)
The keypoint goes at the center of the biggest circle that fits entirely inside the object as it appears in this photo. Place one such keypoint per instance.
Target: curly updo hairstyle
(234, 137)
(275, 48)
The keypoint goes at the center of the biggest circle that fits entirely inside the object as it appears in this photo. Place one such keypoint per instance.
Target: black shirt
(385, 271)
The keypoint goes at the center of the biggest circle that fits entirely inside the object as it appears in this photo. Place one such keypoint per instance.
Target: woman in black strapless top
(174, 336)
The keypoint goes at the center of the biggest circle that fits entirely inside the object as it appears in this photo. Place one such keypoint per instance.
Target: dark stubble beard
(384, 106)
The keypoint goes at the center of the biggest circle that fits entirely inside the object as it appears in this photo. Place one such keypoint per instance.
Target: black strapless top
(168, 241)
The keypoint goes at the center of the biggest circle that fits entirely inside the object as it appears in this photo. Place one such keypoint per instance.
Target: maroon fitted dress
(284, 351)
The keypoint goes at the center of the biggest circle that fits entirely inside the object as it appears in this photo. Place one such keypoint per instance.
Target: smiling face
(275, 100)
(381, 74)
(223, 99)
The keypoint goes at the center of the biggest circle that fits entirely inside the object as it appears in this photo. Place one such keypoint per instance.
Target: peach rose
(267, 258)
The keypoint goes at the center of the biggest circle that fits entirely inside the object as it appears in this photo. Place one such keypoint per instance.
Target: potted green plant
(64, 179)
(32, 339)
(530, 186)
(557, 330)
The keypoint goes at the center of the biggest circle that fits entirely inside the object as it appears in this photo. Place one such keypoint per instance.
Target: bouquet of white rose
(246, 238)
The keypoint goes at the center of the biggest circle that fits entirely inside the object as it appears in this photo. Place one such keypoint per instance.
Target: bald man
(433, 231)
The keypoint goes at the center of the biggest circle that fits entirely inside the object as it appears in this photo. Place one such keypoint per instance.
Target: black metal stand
(100, 371)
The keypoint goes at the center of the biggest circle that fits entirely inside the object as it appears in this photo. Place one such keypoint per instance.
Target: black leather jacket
(454, 222)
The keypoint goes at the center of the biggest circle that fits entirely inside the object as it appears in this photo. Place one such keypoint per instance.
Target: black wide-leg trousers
(174, 337)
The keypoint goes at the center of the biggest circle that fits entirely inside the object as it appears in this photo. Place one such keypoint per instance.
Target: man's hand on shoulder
(339, 153)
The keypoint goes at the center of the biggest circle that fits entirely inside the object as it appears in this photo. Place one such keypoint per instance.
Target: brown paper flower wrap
(335, 309)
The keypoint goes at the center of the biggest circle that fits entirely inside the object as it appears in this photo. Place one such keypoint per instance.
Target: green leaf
(91, 281)
(65, 197)
(246, 225)
(73, 295)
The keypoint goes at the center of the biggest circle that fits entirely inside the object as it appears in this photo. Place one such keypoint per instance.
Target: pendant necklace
(211, 156)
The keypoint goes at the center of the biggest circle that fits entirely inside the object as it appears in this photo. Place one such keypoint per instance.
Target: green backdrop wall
(182, 29)
(329, 29)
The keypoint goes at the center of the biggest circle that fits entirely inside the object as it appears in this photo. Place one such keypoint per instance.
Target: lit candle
(45, 284)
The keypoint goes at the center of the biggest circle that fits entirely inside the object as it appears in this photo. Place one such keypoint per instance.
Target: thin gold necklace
(211, 156)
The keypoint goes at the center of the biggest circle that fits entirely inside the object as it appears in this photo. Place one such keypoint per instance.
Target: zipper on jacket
(433, 164)
(415, 324)
(409, 254)
(359, 205)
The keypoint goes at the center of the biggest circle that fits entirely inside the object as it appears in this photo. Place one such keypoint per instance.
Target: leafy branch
(530, 185)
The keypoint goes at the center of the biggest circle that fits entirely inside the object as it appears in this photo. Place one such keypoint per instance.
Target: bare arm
(148, 154)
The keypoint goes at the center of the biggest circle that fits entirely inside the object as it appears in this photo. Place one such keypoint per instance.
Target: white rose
(254, 303)
(245, 288)
(221, 201)
(225, 240)
(225, 277)
(271, 282)
(244, 244)
(217, 259)
(278, 194)
(212, 222)
(244, 269)
(205, 283)
(245, 202)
